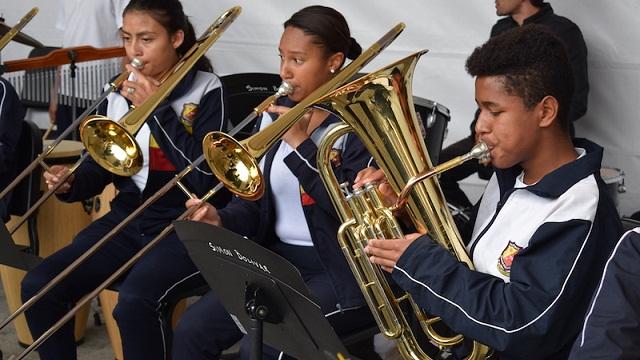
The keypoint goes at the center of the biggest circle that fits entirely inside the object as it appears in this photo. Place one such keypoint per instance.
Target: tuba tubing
(378, 108)
(382, 302)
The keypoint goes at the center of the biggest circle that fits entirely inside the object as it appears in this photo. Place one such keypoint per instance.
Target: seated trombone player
(157, 33)
(295, 217)
(544, 226)
(11, 117)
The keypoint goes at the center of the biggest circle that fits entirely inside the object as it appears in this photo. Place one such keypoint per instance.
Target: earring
(333, 71)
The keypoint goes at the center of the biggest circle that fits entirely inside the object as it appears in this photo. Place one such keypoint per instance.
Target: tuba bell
(378, 108)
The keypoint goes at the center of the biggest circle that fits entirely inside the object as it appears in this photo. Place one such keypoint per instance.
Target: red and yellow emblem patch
(158, 160)
(506, 258)
(306, 198)
(189, 112)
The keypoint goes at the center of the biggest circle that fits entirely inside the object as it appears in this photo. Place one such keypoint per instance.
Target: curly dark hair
(533, 63)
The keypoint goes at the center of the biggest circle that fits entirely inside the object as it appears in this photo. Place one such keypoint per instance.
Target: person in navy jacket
(295, 218)
(11, 117)
(157, 33)
(544, 226)
(611, 326)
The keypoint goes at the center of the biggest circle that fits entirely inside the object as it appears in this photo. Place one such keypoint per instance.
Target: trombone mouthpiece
(137, 63)
(284, 89)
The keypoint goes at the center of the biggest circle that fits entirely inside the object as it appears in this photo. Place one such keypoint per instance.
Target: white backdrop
(450, 30)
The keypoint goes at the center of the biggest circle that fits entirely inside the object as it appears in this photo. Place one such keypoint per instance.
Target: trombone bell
(233, 165)
(116, 148)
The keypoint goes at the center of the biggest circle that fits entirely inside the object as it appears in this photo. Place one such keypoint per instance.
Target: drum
(461, 216)
(629, 223)
(614, 178)
(108, 302)
(101, 203)
(433, 119)
(57, 224)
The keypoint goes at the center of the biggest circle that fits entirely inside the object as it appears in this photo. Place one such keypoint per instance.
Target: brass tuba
(378, 108)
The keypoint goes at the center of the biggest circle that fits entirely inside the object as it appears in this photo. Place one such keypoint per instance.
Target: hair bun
(354, 49)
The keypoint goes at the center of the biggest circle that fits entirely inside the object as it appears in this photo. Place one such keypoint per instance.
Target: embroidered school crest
(189, 111)
(335, 156)
(506, 258)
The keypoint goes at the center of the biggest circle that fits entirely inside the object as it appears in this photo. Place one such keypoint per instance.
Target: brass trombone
(235, 163)
(113, 86)
(284, 89)
(3, 42)
(112, 145)
(19, 26)
(229, 16)
(231, 162)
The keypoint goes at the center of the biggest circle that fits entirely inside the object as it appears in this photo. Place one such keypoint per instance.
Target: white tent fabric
(450, 30)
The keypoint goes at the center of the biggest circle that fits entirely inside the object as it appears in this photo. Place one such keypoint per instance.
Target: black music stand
(260, 289)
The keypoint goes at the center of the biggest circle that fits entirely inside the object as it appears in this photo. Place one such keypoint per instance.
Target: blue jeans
(166, 269)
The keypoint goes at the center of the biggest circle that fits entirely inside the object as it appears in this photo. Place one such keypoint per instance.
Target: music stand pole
(72, 74)
(258, 312)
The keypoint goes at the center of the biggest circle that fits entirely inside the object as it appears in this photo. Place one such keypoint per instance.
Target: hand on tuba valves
(372, 175)
(386, 252)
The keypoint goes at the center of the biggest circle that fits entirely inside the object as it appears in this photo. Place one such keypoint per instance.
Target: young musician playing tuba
(544, 226)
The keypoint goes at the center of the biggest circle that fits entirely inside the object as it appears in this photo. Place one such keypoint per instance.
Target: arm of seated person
(205, 212)
(386, 252)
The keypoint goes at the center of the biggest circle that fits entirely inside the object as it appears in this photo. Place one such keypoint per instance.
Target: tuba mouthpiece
(481, 152)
